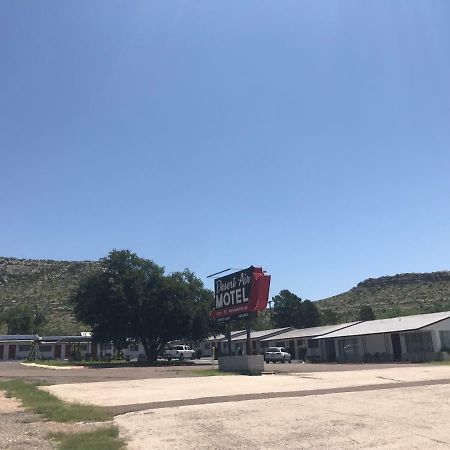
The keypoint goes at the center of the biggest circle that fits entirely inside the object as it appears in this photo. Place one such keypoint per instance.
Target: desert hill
(48, 284)
(391, 296)
(45, 285)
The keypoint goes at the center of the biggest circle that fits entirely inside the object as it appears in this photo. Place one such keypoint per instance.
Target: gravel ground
(20, 430)
(113, 393)
(395, 419)
(16, 370)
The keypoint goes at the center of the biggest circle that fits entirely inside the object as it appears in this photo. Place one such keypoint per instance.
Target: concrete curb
(45, 366)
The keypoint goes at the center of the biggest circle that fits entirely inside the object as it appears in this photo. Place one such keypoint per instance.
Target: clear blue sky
(309, 137)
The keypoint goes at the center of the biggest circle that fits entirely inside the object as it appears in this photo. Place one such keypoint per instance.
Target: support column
(229, 338)
(249, 341)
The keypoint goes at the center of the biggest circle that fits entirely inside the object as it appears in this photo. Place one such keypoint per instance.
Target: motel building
(424, 337)
(217, 341)
(18, 347)
(238, 342)
(300, 343)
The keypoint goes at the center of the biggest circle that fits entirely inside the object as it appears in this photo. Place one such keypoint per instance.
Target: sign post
(228, 326)
(249, 341)
(241, 295)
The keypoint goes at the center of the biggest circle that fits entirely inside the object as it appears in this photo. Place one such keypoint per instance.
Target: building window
(445, 339)
(419, 342)
(313, 344)
(133, 347)
(207, 345)
(107, 346)
(24, 348)
(45, 348)
(300, 342)
(279, 344)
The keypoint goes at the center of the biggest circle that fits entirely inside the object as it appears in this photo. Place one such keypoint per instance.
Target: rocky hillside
(46, 285)
(403, 294)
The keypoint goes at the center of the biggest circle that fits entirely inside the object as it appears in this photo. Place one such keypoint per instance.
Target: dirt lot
(401, 407)
(132, 392)
(16, 370)
(407, 418)
(18, 429)
(304, 407)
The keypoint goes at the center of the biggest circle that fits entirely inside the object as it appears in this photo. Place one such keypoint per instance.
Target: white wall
(377, 343)
(443, 325)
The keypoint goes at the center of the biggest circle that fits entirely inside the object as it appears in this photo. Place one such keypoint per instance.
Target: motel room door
(292, 349)
(58, 351)
(2, 348)
(396, 346)
(12, 351)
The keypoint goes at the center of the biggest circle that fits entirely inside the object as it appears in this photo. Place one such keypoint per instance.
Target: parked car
(275, 354)
(179, 352)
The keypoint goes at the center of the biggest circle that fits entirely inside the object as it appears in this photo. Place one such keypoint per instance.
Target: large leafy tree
(23, 319)
(132, 299)
(366, 313)
(291, 310)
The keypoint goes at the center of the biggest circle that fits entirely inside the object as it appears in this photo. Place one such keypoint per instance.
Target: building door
(94, 350)
(2, 347)
(396, 346)
(330, 350)
(58, 351)
(12, 351)
(292, 348)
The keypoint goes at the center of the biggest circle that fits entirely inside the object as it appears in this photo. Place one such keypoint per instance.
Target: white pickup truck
(275, 354)
(179, 352)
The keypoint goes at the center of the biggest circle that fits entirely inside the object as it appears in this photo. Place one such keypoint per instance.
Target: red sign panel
(240, 293)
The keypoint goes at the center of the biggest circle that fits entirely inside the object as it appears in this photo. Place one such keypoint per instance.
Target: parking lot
(17, 370)
(293, 406)
(390, 406)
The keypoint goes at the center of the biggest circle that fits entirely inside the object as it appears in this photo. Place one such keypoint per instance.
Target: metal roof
(309, 332)
(261, 334)
(220, 337)
(395, 325)
(35, 337)
(19, 337)
(66, 338)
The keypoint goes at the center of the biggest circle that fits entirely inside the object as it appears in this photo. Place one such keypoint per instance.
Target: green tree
(309, 314)
(23, 319)
(133, 299)
(290, 310)
(263, 321)
(328, 317)
(366, 313)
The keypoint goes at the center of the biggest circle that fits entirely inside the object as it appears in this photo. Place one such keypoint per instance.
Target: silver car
(275, 354)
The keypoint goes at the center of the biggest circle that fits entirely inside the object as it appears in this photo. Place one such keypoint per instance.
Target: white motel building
(424, 337)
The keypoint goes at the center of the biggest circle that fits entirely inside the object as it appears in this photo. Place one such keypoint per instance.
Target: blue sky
(312, 138)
